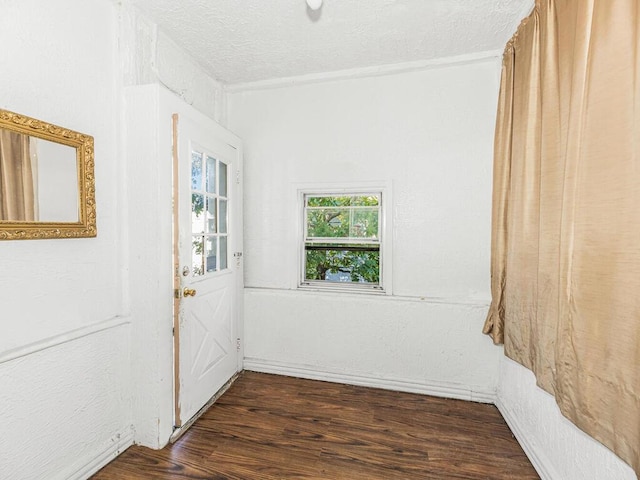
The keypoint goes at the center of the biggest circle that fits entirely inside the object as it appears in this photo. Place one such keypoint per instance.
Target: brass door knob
(189, 292)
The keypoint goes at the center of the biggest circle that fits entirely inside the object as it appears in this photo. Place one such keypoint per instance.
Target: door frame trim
(177, 284)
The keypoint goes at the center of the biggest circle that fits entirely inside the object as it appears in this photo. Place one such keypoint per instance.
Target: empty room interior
(205, 204)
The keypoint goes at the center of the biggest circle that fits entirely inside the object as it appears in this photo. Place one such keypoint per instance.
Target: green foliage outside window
(361, 266)
(349, 217)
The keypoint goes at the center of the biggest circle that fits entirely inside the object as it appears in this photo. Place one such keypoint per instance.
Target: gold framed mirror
(47, 183)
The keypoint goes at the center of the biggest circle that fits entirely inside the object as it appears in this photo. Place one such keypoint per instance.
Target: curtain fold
(17, 193)
(566, 218)
(494, 325)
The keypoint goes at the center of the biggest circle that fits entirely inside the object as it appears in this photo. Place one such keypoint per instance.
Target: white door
(208, 267)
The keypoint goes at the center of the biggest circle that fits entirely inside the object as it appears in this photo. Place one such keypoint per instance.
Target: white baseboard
(434, 388)
(537, 458)
(112, 448)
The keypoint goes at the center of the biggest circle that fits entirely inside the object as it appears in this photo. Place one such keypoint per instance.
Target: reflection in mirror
(38, 179)
(47, 187)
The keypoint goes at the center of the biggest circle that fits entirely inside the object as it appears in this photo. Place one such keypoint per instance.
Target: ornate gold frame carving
(83, 144)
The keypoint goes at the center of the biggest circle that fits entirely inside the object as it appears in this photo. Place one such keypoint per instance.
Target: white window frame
(386, 237)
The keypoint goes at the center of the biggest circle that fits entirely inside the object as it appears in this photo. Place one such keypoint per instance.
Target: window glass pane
(327, 223)
(360, 264)
(343, 201)
(366, 201)
(328, 201)
(211, 221)
(364, 223)
(352, 222)
(211, 253)
(223, 253)
(197, 213)
(197, 258)
(211, 175)
(223, 179)
(196, 171)
(223, 216)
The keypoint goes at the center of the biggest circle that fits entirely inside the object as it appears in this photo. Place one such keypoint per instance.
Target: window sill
(344, 288)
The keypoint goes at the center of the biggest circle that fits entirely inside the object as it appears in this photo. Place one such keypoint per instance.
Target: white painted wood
(208, 332)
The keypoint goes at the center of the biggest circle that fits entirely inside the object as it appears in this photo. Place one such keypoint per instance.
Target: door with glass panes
(207, 271)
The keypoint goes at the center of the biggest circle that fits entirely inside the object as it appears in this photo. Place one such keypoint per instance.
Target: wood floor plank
(276, 427)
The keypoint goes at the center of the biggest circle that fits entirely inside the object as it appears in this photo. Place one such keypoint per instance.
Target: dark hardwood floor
(271, 427)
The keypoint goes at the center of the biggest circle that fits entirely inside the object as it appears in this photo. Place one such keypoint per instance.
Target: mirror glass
(39, 182)
(47, 187)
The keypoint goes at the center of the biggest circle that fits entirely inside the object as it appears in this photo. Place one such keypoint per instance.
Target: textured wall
(428, 133)
(557, 448)
(149, 56)
(398, 343)
(65, 409)
(64, 388)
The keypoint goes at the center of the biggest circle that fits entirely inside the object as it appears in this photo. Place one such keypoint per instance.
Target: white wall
(557, 448)
(64, 347)
(429, 133)
(77, 383)
(149, 56)
(159, 79)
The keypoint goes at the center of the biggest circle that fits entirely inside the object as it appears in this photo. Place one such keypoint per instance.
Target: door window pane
(197, 213)
(223, 179)
(197, 259)
(223, 253)
(211, 254)
(196, 171)
(223, 216)
(211, 175)
(211, 214)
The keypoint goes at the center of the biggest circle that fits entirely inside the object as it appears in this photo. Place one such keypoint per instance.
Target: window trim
(385, 241)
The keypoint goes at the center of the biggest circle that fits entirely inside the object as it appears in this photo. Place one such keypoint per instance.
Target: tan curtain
(16, 178)
(566, 218)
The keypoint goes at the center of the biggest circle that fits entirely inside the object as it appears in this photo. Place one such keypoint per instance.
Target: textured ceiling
(240, 41)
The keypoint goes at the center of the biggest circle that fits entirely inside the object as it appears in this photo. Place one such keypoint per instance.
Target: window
(209, 207)
(342, 240)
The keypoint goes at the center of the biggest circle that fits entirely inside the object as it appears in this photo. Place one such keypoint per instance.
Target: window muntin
(342, 240)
